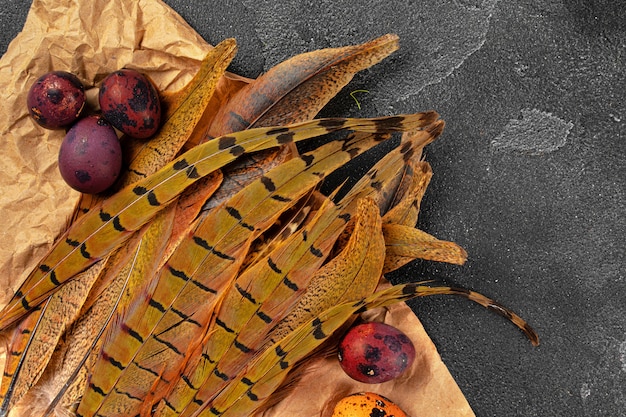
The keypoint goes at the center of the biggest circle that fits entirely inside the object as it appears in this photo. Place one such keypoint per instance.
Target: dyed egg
(375, 352)
(56, 99)
(90, 156)
(367, 404)
(130, 102)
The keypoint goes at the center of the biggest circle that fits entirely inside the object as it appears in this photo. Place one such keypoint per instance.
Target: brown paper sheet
(90, 39)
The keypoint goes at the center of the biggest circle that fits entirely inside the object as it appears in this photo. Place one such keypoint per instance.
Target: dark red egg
(90, 157)
(130, 102)
(56, 99)
(375, 352)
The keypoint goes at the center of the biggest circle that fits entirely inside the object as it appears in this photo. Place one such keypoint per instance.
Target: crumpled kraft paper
(90, 39)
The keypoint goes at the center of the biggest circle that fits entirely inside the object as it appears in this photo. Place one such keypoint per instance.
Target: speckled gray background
(530, 174)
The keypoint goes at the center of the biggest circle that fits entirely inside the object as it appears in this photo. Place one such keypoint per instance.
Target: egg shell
(367, 404)
(375, 352)
(56, 99)
(90, 156)
(130, 102)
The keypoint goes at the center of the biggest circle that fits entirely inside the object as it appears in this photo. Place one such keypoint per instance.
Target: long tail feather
(255, 303)
(263, 375)
(140, 263)
(68, 377)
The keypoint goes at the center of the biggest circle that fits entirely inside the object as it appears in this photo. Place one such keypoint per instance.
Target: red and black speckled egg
(375, 352)
(90, 156)
(130, 102)
(56, 99)
(367, 404)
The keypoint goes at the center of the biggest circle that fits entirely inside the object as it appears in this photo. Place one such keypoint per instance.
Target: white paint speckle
(585, 391)
(622, 355)
(535, 133)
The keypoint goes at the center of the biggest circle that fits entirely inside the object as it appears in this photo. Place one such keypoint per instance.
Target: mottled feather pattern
(196, 95)
(18, 344)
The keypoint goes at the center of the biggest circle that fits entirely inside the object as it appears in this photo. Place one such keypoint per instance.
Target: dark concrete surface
(530, 176)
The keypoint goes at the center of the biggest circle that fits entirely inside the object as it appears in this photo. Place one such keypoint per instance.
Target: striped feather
(255, 302)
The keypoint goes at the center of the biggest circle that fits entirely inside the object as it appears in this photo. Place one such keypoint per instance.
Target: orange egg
(367, 404)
